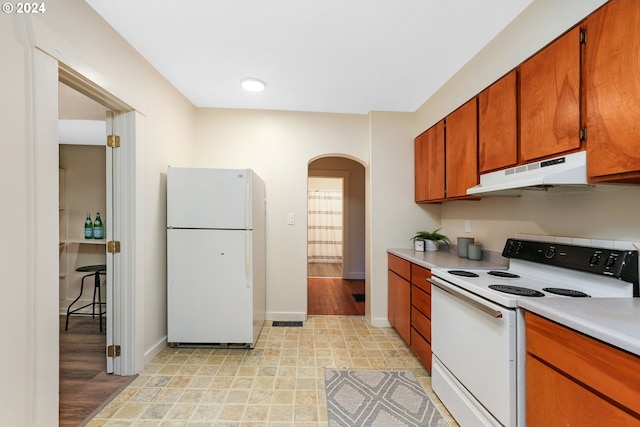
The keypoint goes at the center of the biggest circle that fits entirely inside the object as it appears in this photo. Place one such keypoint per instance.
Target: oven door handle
(493, 313)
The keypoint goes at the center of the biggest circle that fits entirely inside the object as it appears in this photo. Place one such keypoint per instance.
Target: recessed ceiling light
(253, 85)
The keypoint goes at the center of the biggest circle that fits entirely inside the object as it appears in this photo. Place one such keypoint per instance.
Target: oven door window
(477, 347)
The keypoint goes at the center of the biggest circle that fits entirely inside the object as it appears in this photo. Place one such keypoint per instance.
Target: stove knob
(550, 253)
(595, 258)
(611, 261)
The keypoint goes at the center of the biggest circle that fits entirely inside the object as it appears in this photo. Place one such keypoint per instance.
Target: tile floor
(279, 383)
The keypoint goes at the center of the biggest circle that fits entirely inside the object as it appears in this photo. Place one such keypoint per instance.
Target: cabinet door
(612, 89)
(429, 164)
(400, 305)
(553, 399)
(581, 381)
(497, 124)
(462, 149)
(550, 99)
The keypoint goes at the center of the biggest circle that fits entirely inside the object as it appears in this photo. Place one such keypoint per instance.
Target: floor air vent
(282, 323)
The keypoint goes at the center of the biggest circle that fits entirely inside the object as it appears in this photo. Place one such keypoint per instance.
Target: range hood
(570, 169)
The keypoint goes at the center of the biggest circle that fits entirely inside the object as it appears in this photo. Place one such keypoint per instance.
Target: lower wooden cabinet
(575, 380)
(421, 314)
(422, 348)
(409, 305)
(399, 296)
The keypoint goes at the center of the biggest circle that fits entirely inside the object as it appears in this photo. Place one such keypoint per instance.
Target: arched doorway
(336, 236)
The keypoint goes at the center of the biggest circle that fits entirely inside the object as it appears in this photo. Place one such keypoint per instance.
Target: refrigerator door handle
(247, 199)
(248, 258)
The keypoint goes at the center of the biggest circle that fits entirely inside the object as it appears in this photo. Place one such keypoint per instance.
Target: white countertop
(615, 321)
(445, 258)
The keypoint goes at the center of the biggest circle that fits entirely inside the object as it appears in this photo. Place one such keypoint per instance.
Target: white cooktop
(536, 277)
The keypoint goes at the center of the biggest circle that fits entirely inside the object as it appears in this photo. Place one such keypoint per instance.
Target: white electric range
(478, 330)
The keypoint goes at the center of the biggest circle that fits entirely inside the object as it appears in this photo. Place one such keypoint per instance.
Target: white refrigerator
(216, 257)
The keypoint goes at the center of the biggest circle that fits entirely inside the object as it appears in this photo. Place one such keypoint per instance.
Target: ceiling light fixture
(252, 84)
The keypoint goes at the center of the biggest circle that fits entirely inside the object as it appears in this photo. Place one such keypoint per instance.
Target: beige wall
(70, 32)
(279, 145)
(85, 192)
(392, 217)
(16, 299)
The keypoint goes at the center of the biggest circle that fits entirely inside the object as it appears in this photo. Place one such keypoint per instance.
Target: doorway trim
(126, 322)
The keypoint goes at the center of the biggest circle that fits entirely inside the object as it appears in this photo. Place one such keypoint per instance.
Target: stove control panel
(616, 263)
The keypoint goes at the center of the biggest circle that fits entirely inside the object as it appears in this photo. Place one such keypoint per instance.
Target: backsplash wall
(605, 212)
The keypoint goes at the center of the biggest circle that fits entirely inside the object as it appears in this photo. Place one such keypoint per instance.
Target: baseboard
(354, 275)
(380, 322)
(286, 316)
(155, 350)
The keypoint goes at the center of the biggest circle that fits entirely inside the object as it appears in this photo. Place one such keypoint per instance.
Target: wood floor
(334, 296)
(84, 384)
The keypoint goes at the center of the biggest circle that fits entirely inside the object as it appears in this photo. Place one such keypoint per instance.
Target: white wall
(71, 32)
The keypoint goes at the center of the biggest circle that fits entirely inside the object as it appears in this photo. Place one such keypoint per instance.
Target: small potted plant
(429, 240)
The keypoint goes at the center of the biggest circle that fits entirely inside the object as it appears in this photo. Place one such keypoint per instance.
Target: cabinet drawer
(421, 300)
(566, 402)
(422, 348)
(419, 276)
(399, 266)
(612, 372)
(421, 323)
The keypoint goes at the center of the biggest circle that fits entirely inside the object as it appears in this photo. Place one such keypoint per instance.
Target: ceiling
(338, 56)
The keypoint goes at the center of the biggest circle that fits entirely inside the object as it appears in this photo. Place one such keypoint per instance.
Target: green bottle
(88, 227)
(98, 229)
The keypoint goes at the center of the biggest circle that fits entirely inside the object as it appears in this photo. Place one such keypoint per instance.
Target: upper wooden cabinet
(550, 99)
(446, 161)
(461, 148)
(429, 164)
(498, 124)
(612, 90)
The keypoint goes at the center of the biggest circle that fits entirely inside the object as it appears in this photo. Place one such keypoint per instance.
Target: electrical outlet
(467, 226)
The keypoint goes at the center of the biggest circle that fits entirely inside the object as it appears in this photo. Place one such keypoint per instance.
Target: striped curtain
(324, 234)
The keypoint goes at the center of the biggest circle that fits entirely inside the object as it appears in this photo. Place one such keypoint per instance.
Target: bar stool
(95, 271)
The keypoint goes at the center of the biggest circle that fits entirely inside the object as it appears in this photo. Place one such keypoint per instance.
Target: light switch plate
(291, 219)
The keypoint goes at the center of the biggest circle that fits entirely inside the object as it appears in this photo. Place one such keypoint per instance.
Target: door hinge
(583, 134)
(113, 247)
(583, 36)
(113, 141)
(113, 351)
